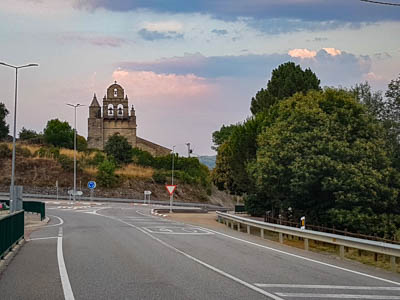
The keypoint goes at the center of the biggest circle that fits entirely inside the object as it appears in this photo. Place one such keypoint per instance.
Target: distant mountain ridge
(209, 161)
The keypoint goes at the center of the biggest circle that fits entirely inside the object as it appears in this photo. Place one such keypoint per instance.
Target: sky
(188, 67)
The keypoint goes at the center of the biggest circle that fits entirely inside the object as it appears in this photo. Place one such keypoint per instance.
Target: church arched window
(120, 110)
(115, 92)
(110, 109)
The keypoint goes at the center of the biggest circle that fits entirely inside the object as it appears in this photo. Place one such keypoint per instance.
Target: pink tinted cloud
(302, 53)
(332, 51)
(147, 84)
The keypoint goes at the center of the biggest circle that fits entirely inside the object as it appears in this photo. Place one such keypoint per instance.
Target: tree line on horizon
(330, 154)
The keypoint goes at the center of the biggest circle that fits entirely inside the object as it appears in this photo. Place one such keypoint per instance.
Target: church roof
(95, 102)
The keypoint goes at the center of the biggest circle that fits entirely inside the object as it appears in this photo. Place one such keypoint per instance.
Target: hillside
(37, 170)
(209, 161)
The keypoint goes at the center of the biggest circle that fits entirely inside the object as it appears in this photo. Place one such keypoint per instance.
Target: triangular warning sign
(170, 189)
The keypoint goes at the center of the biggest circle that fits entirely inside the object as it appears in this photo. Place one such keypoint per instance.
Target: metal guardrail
(11, 231)
(120, 200)
(391, 250)
(32, 206)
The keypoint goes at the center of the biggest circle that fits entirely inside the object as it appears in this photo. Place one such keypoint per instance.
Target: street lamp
(75, 106)
(15, 126)
(171, 197)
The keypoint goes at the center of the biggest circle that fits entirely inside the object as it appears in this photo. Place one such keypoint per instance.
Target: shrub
(66, 162)
(106, 174)
(5, 152)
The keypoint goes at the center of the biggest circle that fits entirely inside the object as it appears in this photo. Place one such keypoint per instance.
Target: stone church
(115, 118)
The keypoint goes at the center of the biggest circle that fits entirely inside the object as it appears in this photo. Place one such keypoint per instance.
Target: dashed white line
(66, 285)
(338, 287)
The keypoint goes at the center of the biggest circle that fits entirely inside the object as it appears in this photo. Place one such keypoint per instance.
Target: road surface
(121, 251)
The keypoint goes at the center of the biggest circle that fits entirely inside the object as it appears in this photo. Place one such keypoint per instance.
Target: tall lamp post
(16, 68)
(75, 106)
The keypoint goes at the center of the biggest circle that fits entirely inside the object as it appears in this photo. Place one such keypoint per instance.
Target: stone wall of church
(152, 148)
(95, 133)
(125, 128)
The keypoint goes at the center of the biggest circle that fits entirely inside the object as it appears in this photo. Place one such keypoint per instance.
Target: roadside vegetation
(330, 154)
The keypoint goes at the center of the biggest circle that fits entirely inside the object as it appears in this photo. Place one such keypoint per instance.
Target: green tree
(118, 147)
(325, 157)
(81, 143)
(286, 80)
(106, 174)
(4, 129)
(220, 136)
(27, 134)
(59, 134)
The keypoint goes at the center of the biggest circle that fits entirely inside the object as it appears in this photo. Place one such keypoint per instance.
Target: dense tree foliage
(322, 155)
(27, 134)
(59, 134)
(286, 80)
(118, 147)
(4, 129)
(220, 136)
(332, 155)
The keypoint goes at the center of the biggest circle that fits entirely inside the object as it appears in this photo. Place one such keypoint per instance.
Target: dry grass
(79, 155)
(91, 171)
(135, 171)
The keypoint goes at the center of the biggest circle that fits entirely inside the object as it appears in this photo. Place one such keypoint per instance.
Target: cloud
(333, 66)
(167, 26)
(220, 31)
(332, 51)
(151, 85)
(318, 39)
(302, 53)
(305, 10)
(156, 35)
(96, 40)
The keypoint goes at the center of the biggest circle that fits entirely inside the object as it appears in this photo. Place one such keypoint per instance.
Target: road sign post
(170, 188)
(147, 196)
(91, 185)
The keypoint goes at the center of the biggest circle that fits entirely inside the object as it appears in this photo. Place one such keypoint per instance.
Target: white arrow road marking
(66, 285)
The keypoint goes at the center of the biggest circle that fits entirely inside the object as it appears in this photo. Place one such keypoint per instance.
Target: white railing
(392, 250)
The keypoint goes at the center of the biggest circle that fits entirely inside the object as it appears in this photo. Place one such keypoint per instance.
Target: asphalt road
(119, 251)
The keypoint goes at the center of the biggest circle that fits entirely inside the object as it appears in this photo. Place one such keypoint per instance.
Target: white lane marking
(66, 285)
(242, 282)
(58, 224)
(341, 296)
(42, 238)
(302, 257)
(339, 287)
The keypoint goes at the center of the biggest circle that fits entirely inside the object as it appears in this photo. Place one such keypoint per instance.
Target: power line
(381, 2)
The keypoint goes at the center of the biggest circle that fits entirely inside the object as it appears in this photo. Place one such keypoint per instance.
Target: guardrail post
(248, 229)
(262, 233)
(232, 225)
(393, 265)
(281, 237)
(238, 228)
(306, 244)
(341, 251)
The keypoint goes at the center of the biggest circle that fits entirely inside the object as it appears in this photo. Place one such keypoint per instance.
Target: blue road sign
(91, 185)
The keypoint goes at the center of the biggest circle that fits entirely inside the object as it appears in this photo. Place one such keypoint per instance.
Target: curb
(45, 221)
(157, 214)
(10, 255)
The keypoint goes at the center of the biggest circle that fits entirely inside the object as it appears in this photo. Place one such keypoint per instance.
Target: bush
(160, 176)
(5, 152)
(48, 152)
(118, 147)
(106, 174)
(22, 151)
(66, 162)
(98, 158)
